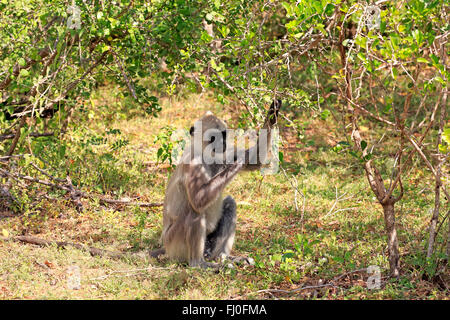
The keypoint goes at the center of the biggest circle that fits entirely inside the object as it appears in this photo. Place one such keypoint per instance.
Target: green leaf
(438, 78)
(325, 114)
(434, 58)
(394, 73)
(281, 156)
(329, 9)
(423, 60)
(288, 8)
(363, 145)
(206, 37)
(105, 48)
(224, 31)
(287, 255)
(24, 73)
(209, 16)
(383, 26)
(446, 135)
(362, 56)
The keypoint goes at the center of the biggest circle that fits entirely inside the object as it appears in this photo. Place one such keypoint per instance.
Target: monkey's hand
(272, 114)
(202, 189)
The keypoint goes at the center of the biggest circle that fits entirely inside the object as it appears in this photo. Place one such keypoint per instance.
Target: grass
(292, 246)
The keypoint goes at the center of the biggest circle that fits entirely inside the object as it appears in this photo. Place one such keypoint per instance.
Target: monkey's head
(210, 132)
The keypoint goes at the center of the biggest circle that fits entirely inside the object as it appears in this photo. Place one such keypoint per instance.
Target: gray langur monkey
(197, 221)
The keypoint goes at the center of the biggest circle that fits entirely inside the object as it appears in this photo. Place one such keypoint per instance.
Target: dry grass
(268, 225)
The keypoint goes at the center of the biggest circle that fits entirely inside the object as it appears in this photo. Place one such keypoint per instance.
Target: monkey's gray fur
(197, 221)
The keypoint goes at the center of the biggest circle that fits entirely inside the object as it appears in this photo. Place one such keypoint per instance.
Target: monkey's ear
(191, 131)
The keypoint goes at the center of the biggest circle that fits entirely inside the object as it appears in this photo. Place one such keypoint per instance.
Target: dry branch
(75, 194)
(17, 67)
(64, 244)
(16, 137)
(331, 283)
(131, 202)
(33, 134)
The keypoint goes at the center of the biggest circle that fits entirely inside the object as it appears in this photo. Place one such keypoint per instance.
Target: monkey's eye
(213, 138)
(224, 135)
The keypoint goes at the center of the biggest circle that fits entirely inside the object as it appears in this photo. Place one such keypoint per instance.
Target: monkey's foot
(205, 265)
(241, 260)
(156, 253)
(210, 265)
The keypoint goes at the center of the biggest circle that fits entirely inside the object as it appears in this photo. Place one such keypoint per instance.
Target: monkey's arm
(203, 190)
(256, 156)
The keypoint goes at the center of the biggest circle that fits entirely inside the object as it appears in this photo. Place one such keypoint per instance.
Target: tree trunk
(434, 218)
(438, 183)
(373, 175)
(389, 219)
(448, 239)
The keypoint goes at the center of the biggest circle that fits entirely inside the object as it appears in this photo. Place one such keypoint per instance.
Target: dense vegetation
(91, 91)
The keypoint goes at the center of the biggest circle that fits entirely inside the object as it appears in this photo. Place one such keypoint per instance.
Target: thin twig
(63, 244)
(329, 284)
(66, 185)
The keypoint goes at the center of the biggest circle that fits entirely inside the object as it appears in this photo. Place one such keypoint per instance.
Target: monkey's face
(210, 135)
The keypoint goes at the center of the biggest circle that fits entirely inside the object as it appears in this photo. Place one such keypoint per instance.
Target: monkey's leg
(220, 241)
(195, 240)
(156, 253)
